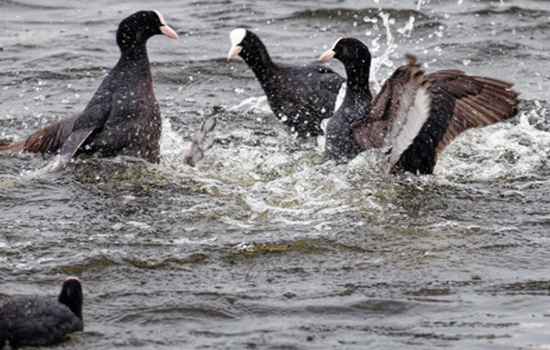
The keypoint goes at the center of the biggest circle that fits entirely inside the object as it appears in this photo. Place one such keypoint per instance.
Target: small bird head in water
(136, 29)
(71, 295)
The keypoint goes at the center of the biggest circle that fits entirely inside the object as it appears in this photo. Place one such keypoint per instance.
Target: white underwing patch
(413, 112)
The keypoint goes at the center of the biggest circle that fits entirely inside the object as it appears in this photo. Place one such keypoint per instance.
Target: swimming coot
(301, 97)
(38, 321)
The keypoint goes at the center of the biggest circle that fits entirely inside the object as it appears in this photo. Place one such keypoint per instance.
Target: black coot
(123, 116)
(38, 321)
(301, 97)
(416, 114)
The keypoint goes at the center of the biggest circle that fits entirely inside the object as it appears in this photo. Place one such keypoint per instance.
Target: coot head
(244, 43)
(348, 50)
(71, 295)
(356, 59)
(137, 28)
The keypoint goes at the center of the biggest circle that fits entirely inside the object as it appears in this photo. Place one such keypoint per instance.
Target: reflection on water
(263, 244)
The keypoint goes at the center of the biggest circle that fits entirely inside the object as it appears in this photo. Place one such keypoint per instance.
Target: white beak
(234, 51)
(327, 55)
(169, 32)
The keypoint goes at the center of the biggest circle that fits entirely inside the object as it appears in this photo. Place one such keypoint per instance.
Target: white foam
(502, 150)
(252, 104)
(172, 145)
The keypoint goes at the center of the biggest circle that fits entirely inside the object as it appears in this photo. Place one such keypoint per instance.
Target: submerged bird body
(123, 116)
(416, 114)
(37, 321)
(301, 97)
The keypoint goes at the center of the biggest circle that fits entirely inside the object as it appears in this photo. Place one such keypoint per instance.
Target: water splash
(52, 166)
(406, 31)
(252, 104)
(502, 151)
(172, 144)
(420, 3)
(384, 58)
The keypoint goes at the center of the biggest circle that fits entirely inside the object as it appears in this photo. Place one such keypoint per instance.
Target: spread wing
(66, 135)
(50, 138)
(69, 134)
(478, 102)
(422, 113)
(47, 140)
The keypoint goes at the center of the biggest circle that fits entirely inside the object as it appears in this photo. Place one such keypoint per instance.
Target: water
(263, 245)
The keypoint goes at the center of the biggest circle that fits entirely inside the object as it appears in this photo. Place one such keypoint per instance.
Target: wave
(514, 11)
(353, 15)
(14, 3)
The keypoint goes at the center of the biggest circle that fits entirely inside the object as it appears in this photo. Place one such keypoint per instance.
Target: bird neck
(136, 53)
(75, 305)
(354, 110)
(358, 74)
(135, 60)
(358, 95)
(259, 61)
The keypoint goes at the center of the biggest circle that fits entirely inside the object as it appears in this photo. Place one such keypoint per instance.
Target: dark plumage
(416, 114)
(37, 321)
(123, 116)
(301, 97)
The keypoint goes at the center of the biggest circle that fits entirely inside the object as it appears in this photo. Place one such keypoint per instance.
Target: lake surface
(264, 245)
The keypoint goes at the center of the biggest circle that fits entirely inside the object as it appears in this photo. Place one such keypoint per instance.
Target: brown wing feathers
(478, 102)
(49, 139)
(458, 102)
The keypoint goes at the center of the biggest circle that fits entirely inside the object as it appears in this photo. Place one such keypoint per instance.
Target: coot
(123, 116)
(416, 114)
(38, 321)
(301, 97)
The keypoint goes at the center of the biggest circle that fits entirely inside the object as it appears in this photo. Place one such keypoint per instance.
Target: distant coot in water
(38, 321)
(416, 114)
(301, 97)
(123, 116)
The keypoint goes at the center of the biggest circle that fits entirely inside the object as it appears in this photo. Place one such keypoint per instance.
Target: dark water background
(264, 246)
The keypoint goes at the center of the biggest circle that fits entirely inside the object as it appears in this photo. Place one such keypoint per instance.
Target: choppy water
(263, 245)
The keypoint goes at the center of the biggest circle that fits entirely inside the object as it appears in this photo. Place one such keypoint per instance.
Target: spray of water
(384, 58)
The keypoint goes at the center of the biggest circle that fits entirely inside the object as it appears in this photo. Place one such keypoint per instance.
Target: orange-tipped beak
(169, 32)
(234, 51)
(327, 55)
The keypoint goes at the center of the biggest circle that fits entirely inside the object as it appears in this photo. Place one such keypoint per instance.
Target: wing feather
(410, 111)
(47, 140)
(425, 113)
(493, 103)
